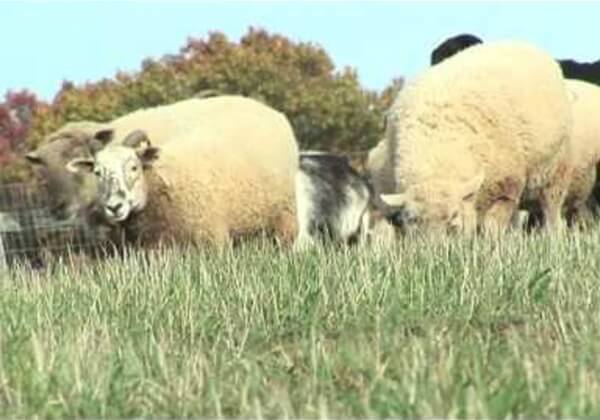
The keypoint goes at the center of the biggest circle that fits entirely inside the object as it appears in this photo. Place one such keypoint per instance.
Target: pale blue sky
(44, 42)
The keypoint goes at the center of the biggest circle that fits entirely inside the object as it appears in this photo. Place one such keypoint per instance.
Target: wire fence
(28, 233)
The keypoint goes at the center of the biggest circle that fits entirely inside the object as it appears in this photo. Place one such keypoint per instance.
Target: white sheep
(585, 145)
(472, 135)
(230, 175)
(585, 150)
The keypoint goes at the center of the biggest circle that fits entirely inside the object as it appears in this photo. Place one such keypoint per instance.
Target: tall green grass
(457, 328)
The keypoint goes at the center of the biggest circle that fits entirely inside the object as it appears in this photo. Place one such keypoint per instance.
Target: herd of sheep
(487, 134)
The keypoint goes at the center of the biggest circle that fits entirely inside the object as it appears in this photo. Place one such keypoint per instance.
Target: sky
(46, 42)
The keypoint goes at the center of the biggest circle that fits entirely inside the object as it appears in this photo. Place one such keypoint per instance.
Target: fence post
(3, 262)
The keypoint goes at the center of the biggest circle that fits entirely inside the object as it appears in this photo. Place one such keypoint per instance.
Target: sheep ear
(100, 139)
(81, 165)
(393, 200)
(136, 138)
(34, 158)
(104, 136)
(148, 155)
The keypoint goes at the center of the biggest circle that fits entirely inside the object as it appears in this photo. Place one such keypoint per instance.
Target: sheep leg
(520, 219)
(364, 226)
(573, 215)
(217, 235)
(498, 217)
(552, 199)
(578, 215)
(286, 228)
(553, 220)
(352, 220)
(576, 211)
(503, 205)
(304, 239)
(585, 217)
(593, 202)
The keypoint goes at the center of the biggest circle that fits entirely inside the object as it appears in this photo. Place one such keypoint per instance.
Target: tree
(16, 115)
(328, 109)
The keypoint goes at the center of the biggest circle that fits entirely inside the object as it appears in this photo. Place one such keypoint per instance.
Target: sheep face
(445, 211)
(125, 190)
(119, 169)
(69, 194)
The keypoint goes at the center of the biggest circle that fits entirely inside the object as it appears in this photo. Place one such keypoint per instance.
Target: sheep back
(164, 122)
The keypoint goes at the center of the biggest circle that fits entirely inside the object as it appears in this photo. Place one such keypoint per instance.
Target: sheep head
(70, 195)
(119, 169)
(443, 210)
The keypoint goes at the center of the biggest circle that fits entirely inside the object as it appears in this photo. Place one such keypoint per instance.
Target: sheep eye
(134, 168)
(97, 172)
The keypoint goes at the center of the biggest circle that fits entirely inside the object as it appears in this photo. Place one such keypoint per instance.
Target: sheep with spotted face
(211, 185)
(123, 187)
(473, 134)
(73, 194)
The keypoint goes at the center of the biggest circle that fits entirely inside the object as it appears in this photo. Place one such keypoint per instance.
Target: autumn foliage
(16, 119)
(328, 108)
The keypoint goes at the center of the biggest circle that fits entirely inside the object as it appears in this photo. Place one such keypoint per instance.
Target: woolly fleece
(474, 132)
(230, 175)
(585, 143)
(380, 169)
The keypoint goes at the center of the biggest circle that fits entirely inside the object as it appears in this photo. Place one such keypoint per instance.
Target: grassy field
(453, 329)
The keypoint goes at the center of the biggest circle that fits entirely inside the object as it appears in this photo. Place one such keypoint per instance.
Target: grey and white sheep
(332, 199)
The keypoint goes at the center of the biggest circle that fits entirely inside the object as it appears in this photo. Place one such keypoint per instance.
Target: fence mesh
(28, 233)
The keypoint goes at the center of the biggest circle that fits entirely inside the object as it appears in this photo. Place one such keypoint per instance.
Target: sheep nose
(397, 219)
(114, 208)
